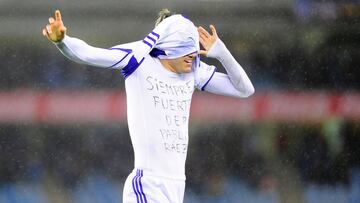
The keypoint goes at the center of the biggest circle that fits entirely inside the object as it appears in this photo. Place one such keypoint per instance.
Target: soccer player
(161, 73)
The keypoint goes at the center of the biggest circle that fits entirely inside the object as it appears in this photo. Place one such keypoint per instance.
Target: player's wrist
(60, 40)
(57, 40)
(216, 49)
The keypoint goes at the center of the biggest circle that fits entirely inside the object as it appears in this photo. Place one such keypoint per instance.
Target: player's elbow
(251, 91)
(245, 88)
(247, 92)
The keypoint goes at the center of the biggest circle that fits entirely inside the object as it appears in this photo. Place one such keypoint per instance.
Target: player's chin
(187, 69)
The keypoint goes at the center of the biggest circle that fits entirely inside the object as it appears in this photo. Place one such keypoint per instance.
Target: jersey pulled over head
(178, 37)
(173, 37)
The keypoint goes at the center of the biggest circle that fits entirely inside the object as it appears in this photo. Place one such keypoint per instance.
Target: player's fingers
(202, 40)
(205, 43)
(57, 15)
(48, 29)
(203, 36)
(213, 30)
(63, 29)
(44, 32)
(202, 31)
(51, 20)
(203, 52)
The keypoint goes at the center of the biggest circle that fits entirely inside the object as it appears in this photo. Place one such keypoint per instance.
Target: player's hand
(207, 39)
(55, 31)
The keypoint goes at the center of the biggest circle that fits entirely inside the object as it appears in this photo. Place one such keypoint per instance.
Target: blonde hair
(164, 13)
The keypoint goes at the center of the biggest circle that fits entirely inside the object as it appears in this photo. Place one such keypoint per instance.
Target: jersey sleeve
(130, 62)
(236, 75)
(79, 51)
(203, 75)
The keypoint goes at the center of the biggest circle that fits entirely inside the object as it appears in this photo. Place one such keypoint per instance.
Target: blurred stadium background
(63, 132)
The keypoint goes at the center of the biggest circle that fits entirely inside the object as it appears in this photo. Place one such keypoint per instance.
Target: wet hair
(163, 13)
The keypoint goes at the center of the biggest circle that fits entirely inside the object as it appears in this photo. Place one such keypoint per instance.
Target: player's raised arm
(236, 82)
(79, 51)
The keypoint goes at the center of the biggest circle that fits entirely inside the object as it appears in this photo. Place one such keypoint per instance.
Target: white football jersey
(158, 107)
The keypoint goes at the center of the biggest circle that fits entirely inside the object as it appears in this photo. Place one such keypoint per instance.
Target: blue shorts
(141, 187)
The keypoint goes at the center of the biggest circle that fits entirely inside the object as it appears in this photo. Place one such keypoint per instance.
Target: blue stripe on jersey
(132, 65)
(152, 39)
(203, 87)
(157, 52)
(155, 34)
(121, 49)
(147, 43)
(185, 16)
